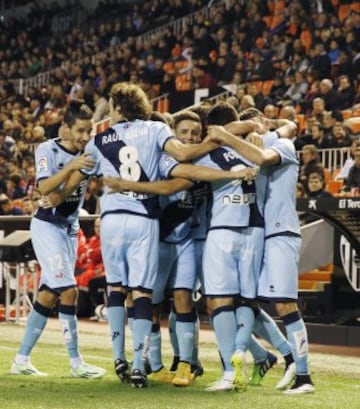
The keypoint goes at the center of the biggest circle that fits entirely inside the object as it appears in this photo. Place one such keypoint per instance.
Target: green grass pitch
(337, 379)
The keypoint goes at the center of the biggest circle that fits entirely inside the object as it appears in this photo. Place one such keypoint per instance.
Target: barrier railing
(332, 158)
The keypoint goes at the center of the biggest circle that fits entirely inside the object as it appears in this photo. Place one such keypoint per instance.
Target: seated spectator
(318, 109)
(344, 172)
(353, 181)
(16, 186)
(7, 208)
(332, 98)
(316, 186)
(311, 164)
(297, 89)
(346, 91)
(28, 207)
(340, 136)
(318, 137)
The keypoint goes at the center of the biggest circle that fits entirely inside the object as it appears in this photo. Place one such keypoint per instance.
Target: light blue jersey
(132, 151)
(129, 228)
(234, 203)
(50, 158)
(280, 206)
(179, 208)
(54, 231)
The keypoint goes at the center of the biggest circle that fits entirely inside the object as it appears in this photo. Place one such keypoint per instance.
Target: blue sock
(265, 327)
(185, 331)
(297, 336)
(116, 318)
(195, 354)
(35, 325)
(172, 333)
(224, 324)
(68, 321)
(130, 317)
(141, 330)
(155, 348)
(245, 319)
(258, 352)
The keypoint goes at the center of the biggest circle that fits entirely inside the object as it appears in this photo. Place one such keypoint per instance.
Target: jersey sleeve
(44, 160)
(285, 148)
(166, 165)
(270, 138)
(163, 134)
(94, 154)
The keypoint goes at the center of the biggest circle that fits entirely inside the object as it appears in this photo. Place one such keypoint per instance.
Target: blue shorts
(177, 268)
(130, 250)
(279, 274)
(199, 251)
(232, 261)
(55, 250)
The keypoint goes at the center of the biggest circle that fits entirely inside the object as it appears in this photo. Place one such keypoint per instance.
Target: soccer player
(129, 231)
(54, 237)
(177, 266)
(279, 276)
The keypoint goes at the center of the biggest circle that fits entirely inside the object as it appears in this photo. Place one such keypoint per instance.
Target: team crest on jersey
(42, 165)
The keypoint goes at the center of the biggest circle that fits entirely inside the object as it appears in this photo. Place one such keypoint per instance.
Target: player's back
(130, 150)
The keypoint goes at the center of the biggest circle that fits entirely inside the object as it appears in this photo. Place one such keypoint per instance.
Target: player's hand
(217, 134)
(51, 200)
(255, 139)
(247, 174)
(115, 184)
(82, 162)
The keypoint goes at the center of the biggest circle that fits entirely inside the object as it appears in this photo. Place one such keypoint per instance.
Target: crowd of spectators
(292, 59)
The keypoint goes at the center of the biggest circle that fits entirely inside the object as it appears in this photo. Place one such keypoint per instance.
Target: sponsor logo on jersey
(239, 199)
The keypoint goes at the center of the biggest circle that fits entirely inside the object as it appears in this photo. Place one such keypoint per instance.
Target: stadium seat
(301, 121)
(355, 112)
(266, 87)
(334, 186)
(344, 10)
(182, 82)
(327, 174)
(306, 39)
(334, 173)
(346, 113)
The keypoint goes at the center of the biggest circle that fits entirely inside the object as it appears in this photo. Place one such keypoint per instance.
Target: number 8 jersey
(130, 150)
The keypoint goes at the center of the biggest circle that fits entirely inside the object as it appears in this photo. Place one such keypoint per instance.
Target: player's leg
(113, 247)
(35, 325)
(220, 285)
(182, 283)
(142, 244)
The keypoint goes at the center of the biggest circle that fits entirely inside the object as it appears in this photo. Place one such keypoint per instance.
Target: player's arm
(241, 127)
(285, 128)
(159, 187)
(50, 184)
(206, 174)
(187, 152)
(253, 153)
(54, 199)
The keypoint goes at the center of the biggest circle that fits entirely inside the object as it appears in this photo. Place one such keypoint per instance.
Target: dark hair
(77, 109)
(131, 100)
(158, 116)
(185, 116)
(221, 113)
(250, 113)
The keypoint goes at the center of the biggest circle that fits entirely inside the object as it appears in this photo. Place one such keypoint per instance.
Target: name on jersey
(244, 199)
(229, 156)
(115, 137)
(135, 195)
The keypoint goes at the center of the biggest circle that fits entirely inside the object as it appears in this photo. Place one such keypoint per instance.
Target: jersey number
(129, 168)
